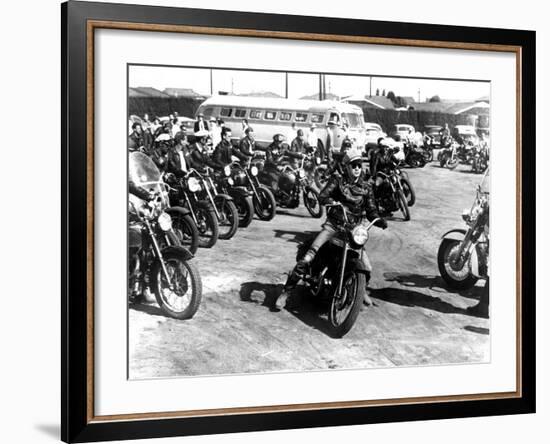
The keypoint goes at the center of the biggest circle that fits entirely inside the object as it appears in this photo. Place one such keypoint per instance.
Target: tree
(391, 96)
(384, 92)
(377, 91)
(435, 98)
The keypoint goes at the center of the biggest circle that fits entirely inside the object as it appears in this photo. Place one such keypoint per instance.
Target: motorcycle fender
(474, 263)
(205, 204)
(224, 197)
(176, 209)
(187, 255)
(456, 234)
(240, 191)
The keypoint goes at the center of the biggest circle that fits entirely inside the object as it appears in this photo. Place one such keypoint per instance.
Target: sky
(240, 81)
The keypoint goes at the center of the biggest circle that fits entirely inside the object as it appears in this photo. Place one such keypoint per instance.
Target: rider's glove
(381, 223)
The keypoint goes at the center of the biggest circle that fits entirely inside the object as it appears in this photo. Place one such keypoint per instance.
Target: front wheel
(402, 204)
(320, 176)
(264, 204)
(207, 224)
(459, 279)
(428, 155)
(345, 308)
(229, 217)
(311, 201)
(179, 297)
(245, 209)
(185, 229)
(408, 191)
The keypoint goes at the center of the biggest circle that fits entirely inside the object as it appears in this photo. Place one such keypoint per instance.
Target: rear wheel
(345, 308)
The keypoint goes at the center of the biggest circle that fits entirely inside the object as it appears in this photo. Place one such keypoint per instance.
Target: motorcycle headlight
(227, 170)
(230, 181)
(254, 171)
(301, 174)
(193, 184)
(318, 160)
(165, 222)
(360, 235)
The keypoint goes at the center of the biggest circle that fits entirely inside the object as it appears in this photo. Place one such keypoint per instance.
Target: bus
(334, 121)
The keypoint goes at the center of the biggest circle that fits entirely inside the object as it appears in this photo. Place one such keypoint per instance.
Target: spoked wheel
(452, 163)
(460, 278)
(185, 230)
(402, 204)
(408, 191)
(207, 224)
(265, 205)
(311, 201)
(229, 217)
(428, 155)
(345, 308)
(180, 298)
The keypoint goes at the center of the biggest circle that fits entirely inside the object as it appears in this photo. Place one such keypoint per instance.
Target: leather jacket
(223, 152)
(357, 196)
(199, 159)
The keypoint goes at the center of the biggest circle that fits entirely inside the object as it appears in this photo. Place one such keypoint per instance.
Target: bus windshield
(354, 120)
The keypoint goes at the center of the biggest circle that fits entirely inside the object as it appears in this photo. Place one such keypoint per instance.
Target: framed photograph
(275, 222)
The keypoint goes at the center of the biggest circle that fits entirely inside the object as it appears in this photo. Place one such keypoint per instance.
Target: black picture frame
(77, 424)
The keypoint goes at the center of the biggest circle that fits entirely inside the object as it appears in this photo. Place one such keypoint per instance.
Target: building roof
(147, 91)
(134, 92)
(181, 92)
(380, 102)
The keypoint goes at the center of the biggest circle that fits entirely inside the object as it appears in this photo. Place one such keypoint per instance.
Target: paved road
(416, 320)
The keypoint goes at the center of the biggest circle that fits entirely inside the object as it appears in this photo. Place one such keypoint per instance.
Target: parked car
(373, 133)
(465, 133)
(401, 131)
(434, 131)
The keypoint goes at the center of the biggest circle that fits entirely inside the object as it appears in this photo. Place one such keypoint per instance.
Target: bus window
(334, 117)
(255, 114)
(240, 113)
(226, 112)
(301, 117)
(317, 118)
(270, 115)
(285, 116)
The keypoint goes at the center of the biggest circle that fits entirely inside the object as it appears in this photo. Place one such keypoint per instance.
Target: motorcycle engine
(239, 178)
(287, 181)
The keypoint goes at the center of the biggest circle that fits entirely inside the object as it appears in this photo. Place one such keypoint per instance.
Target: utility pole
(419, 94)
(231, 85)
(370, 86)
(286, 85)
(320, 87)
(211, 83)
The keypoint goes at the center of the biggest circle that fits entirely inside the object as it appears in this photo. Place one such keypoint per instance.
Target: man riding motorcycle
(198, 157)
(355, 193)
(225, 151)
(277, 154)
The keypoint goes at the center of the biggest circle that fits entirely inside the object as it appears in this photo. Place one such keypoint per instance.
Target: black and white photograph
(284, 221)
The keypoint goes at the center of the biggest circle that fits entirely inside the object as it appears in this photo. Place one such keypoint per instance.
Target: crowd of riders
(177, 147)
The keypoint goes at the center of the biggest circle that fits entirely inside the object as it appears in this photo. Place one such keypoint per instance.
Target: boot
(293, 279)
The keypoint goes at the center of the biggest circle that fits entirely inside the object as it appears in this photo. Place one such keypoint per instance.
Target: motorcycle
(395, 192)
(241, 195)
(337, 274)
(187, 191)
(293, 183)
(448, 157)
(156, 260)
(463, 255)
(480, 160)
(414, 157)
(263, 200)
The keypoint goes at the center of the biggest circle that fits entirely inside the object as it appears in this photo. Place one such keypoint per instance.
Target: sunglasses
(356, 165)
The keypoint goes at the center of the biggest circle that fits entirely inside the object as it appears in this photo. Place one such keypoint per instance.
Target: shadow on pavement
(294, 236)
(153, 310)
(480, 330)
(270, 291)
(431, 282)
(410, 298)
(287, 213)
(303, 308)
